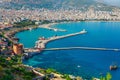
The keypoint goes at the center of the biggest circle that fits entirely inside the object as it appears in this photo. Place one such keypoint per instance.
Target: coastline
(12, 31)
(47, 26)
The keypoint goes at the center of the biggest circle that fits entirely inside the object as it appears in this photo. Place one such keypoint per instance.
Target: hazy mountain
(110, 2)
(55, 4)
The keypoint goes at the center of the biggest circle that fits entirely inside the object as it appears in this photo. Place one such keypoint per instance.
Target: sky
(112, 2)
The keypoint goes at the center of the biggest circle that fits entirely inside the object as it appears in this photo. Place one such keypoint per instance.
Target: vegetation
(12, 69)
(66, 76)
(24, 23)
(49, 70)
(107, 77)
(45, 21)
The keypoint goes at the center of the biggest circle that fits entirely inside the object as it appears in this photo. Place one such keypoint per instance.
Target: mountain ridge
(56, 4)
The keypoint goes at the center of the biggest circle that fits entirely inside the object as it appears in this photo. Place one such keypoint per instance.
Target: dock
(82, 48)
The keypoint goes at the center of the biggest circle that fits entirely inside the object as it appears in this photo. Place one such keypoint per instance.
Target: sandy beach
(48, 26)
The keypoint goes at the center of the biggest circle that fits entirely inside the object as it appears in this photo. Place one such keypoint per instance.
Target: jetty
(42, 43)
(33, 51)
(82, 48)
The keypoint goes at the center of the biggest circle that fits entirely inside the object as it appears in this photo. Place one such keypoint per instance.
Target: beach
(48, 26)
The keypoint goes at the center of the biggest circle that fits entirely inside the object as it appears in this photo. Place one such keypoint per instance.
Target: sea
(77, 62)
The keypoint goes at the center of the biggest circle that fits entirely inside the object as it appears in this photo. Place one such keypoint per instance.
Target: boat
(113, 67)
(83, 31)
(30, 29)
(55, 29)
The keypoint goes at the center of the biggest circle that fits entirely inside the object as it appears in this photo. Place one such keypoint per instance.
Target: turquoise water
(90, 62)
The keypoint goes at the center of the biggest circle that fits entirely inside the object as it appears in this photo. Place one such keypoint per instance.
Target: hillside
(11, 68)
(55, 4)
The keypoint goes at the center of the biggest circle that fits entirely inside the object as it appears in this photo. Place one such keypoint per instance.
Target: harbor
(69, 51)
(41, 45)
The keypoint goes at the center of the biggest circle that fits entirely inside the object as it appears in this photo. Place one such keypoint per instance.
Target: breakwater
(42, 42)
(91, 62)
(84, 48)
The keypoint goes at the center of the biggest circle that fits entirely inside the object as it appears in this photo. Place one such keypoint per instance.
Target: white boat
(30, 29)
(83, 31)
(55, 29)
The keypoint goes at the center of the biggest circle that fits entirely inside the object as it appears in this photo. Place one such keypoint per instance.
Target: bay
(85, 63)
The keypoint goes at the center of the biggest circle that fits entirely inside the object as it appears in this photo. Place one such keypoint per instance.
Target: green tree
(1, 71)
(66, 76)
(49, 70)
(108, 76)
